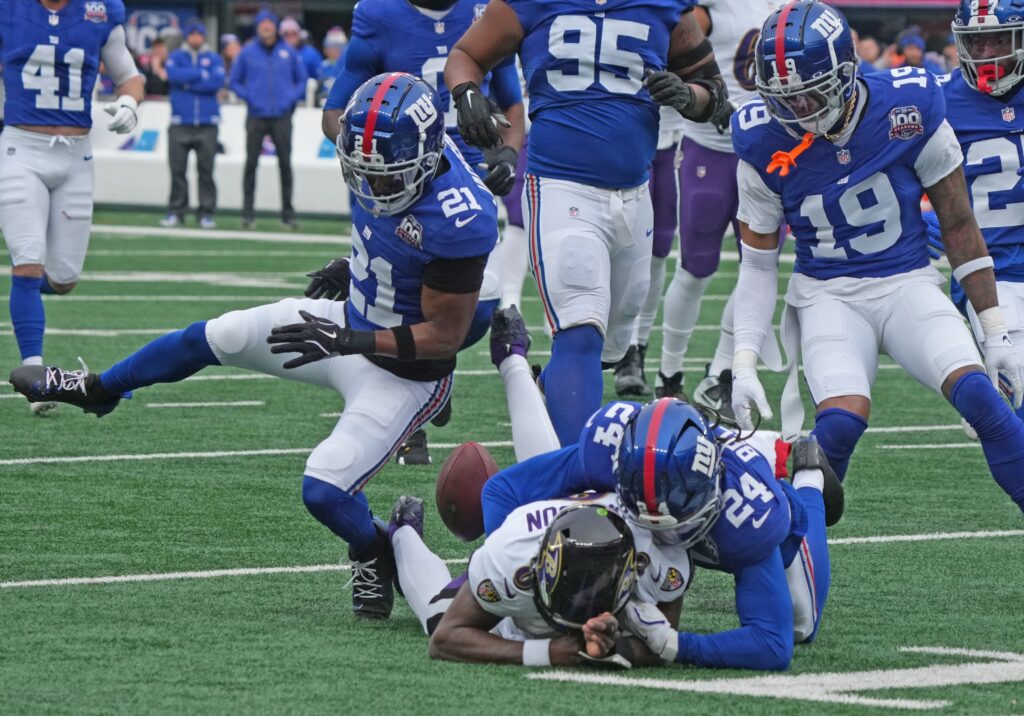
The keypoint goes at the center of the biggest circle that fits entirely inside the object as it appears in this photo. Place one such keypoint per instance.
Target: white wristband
(992, 322)
(744, 360)
(536, 652)
(966, 269)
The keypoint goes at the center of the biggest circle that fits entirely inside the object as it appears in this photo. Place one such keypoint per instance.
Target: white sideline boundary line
(314, 568)
(220, 404)
(153, 232)
(932, 446)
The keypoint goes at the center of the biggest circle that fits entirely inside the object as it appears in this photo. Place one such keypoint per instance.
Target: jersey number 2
(40, 75)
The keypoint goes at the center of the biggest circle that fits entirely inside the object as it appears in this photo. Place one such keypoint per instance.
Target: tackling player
(421, 232)
(851, 193)
(51, 54)
(595, 77)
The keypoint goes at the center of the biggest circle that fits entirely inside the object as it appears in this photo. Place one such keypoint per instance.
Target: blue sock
(838, 431)
(46, 287)
(27, 315)
(347, 516)
(1000, 431)
(481, 322)
(573, 384)
(167, 359)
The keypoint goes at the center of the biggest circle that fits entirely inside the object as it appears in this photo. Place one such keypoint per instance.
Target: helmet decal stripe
(371, 117)
(651, 453)
(780, 40)
(982, 8)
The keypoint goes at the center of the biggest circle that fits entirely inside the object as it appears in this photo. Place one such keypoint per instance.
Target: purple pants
(662, 186)
(708, 200)
(514, 201)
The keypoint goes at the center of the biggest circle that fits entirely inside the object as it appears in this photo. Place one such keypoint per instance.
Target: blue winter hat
(195, 25)
(266, 14)
(915, 40)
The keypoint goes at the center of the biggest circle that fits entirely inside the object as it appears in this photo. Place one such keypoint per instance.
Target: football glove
(935, 246)
(747, 391)
(318, 338)
(721, 118)
(1002, 358)
(669, 89)
(501, 170)
(125, 113)
(478, 116)
(331, 281)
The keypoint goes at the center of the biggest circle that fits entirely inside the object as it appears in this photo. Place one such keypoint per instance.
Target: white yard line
(932, 446)
(173, 298)
(224, 404)
(915, 428)
(151, 232)
(930, 537)
(261, 254)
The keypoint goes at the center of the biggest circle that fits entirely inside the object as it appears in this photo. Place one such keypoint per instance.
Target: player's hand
(747, 391)
(317, 338)
(565, 650)
(331, 281)
(125, 113)
(722, 117)
(646, 622)
(935, 246)
(669, 89)
(501, 170)
(599, 634)
(478, 116)
(1004, 359)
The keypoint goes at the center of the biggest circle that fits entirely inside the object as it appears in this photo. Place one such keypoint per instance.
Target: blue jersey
(456, 217)
(990, 131)
(855, 210)
(51, 59)
(395, 36)
(592, 120)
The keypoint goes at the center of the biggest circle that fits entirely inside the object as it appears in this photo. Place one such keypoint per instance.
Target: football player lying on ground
(389, 350)
(691, 485)
(562, 582)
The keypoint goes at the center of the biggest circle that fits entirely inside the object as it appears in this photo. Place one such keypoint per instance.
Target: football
(459, 485)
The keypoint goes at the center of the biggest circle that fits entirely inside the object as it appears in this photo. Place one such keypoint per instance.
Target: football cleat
(629, 375)
(373, 595)
(414, 450)
(508, 335)
(715, 393)
(669, 386)
(808, 455)
(407, 512)
(47, 383)
(444, 415)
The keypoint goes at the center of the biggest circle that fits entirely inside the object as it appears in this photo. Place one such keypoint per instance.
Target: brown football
(459, 485)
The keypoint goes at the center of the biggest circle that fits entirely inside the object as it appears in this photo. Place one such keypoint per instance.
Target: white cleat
(43, 409)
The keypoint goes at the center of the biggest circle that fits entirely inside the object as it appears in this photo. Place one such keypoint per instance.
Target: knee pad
(231, 333)
(838, 432)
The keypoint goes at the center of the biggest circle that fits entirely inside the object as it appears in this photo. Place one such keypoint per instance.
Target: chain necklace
(850, 106)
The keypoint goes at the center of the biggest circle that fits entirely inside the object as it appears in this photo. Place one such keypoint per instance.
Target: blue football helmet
(989, 38)
(391, 141)
(806, 65)
(668, 472)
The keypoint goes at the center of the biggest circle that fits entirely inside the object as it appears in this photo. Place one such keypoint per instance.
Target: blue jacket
(269, 79)
(195, 79)
(311, 59)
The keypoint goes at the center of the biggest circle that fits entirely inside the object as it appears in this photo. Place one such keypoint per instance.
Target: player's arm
(508, 93)
(464, 634)
(361, 62)
(130, 87)
(692, 83)
(495, 36)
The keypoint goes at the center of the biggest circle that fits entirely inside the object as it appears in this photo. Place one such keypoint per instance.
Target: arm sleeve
(117, 58)
(360, 65)
(940, 156)
(455, 275)
(755, 298)
(764, 640)
(505, 87)
(760, 208)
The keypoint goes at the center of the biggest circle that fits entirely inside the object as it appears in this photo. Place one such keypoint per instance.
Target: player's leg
(515, 253)
(926, 335)
(206, 154)
(422, 575)
(1011, 304)
(281, 135)
(254, 131)
(70, 219)
(178, 145)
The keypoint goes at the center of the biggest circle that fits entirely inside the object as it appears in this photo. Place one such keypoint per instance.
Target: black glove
(331, 281)
(478, 116)
(501, 170)
(720, 119)
(317, 339)
(668, 89)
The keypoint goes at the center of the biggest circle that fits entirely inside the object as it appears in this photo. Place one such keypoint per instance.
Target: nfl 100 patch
(411, 231)
(905, 122)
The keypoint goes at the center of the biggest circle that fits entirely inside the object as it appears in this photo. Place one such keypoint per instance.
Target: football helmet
(668, 472)
(586, 566)
(391, 141)
(806, 65)
(989, 38)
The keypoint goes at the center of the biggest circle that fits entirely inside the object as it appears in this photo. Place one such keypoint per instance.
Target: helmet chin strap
(433, 4)
(987, 74)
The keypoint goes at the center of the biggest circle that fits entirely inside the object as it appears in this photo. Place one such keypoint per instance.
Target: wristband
(992, 322)
(536, 652)
(744, 360)
(405, 343)
(966, 269)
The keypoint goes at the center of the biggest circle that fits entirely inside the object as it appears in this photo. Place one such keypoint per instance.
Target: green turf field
(288, 643)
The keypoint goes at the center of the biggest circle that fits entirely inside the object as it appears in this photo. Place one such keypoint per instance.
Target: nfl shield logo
(439, 27)
(843, 155)
(54, 19)
(702, 172)
(1008, 114)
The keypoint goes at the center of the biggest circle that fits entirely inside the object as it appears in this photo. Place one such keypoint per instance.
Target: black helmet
(586, 566)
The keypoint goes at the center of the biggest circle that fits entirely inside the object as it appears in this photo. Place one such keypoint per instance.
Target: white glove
(646, 622)
(1001, 356)
(747, 390)
(125, 113)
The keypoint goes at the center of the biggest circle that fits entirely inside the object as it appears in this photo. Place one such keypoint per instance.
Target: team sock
(532, 433)
(347, 516)
(47, 287)
(838, 431)
(515, 259)
(27, 316)
(167, 359)
(481, 322)
(726, 344)
(1000, 431)
(649, 311)
(682, 309)
(422, 574)
(573, 385)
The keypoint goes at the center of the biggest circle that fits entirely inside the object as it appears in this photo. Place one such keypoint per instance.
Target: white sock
(532, 433)
(682, 309)
(650, 308)
(33, 360)
(724, 349)
(809, 478)
(421, 573)
(515, 260)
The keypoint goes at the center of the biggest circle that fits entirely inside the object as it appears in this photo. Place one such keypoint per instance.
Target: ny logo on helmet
(423, 112)
(703, 460)
(828, 25)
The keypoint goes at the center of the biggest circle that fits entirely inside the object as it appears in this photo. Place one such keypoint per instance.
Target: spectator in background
(335, 42)
(153, 68)
(229, 49)
(869, 51)
(196, 74)
(269, 77)
(912, 48)
(950, 55)
(293, 35)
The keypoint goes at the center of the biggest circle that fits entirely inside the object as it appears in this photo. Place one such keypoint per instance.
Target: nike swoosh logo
(649, 232)
(462, 222)
(759, 522)
(88, 158)
(334, 335)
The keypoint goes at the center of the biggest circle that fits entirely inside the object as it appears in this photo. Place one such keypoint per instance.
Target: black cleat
(807, 454)
(629, 375)
(414, 450)
(373, 594)
(715, 392)
(669, 386)
(444, 415)
(47, 383)
(508, 335)
(407, 512)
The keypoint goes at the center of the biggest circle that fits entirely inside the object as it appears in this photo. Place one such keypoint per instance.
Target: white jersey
(735, 28)
(500, 571)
